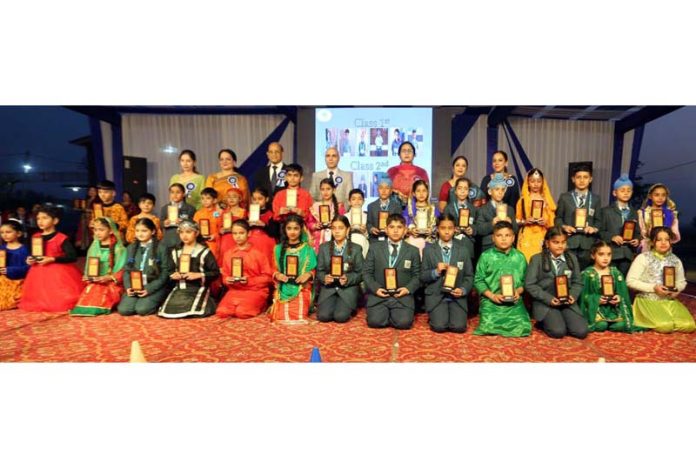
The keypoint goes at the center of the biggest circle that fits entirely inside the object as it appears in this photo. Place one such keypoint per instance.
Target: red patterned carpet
(50, 337)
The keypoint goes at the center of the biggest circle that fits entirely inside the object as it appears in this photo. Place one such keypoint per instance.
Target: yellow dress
(530, 239)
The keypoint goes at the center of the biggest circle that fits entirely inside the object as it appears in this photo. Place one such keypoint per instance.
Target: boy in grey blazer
(447, 309)
(612, 219)
(383, 308)
(556, 318)
(487, 215)
(579, 241)
(338, 296)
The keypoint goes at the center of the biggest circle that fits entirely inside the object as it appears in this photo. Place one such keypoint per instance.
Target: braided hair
(546, 254)
(112, 242)
(284, 243)
(344, 220)
(150, 225)
(334, 200)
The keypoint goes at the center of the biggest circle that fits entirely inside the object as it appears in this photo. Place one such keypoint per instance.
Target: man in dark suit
(272, 176)
(611, 226)
(579, 241)
(383, 308)
(448, 310)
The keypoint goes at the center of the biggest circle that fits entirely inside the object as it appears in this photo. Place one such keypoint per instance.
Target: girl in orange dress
(247, 295)
(530, 239)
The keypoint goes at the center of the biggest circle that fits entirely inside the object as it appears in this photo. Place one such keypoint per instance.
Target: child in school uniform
(421, 216)
(210, 212)
(13, 268)
(293, 178)
(195, 268)
(580, 238)
(558, 317)
(177, 192)
(385, 307)
(658, 200)
(151, 258)
(447, 308)
(386, 203)
(613, 313)
(322, 232)
(248, 292)
(293, 294)
(339, 295)
(613, 218)
(106, 191)
(656, 306)
(501, 315)
(491, 213)
(533, 229)
(461, 201)
(53, 283)
(103, 290)
(146, 203)
(358, 220)
(264, 233)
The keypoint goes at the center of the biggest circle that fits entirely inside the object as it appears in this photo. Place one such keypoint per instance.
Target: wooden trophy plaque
(292, 266)
(355, 217)
(657, 218)
(669, 278)
(172, 214)
(237, 268)
(185, 263)
(336, 266)
(254, 212)
(325, 215)
(607, 282)
(291, 198)
(562, 293)
(383, 215)
(580, 219)
(450, 281)
(507, 288)
(537, 209)
(464, 215)
(629, 228)
(98, 210)
(92, 267)
(37, 248)
(501, 211)
(136, 280)
(390, 280)
(205, 227)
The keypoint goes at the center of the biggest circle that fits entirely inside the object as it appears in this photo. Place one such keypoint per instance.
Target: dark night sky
(46, 130)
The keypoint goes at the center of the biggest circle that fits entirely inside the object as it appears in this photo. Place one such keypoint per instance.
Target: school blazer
(484, 223)
(541, 285)
(611, 224)
(459, 257)
(351, 291)
(342, 189)
(565, 214)
(161, 261)
(373, 215)
(473, 214)
(408, 268)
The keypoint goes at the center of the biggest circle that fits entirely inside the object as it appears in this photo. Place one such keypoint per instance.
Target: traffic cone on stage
(315, 357)
(136, 354)
(601, 360)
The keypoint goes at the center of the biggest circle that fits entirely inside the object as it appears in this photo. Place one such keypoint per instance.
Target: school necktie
(331, 177)
(558, 262)
(582, 200)
(624, 213)
(274, 177)
(392, 257)
(446, 253)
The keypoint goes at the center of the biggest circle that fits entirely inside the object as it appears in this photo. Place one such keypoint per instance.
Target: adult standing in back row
(228, 178)
(272, 176)
(499, 164)
(342, 180)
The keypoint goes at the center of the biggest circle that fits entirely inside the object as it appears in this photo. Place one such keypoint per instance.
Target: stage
(57, 337)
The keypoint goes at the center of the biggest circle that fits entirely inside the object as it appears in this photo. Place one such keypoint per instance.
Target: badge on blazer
(216, 214)
(407, 264)
(338, 180)
(232, 180)
(591, 211)
(568, 273)
(346, 267)
(460, 265)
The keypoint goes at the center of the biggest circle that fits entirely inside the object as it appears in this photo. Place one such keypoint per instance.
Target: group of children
(574, 258)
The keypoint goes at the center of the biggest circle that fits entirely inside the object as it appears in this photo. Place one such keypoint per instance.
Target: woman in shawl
(533, 227)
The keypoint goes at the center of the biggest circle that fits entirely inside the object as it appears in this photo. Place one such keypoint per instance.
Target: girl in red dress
(53, 283)
(248, 294)
(264, 233)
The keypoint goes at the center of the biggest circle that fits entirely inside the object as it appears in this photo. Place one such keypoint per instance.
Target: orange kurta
(213, 215)
(117, 213)
(250, 299)
(130, 232)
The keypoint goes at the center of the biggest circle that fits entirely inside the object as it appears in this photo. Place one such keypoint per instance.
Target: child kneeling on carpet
(553, 280)
(247, 274)
(146, 275)
(339, 272)
(53, 283)
(499, 279)
(447, 302)
(195, 269)
(13, 267)
(106, 258)
(294, 265)
(608, 307)
(658, 276)
(392, 276)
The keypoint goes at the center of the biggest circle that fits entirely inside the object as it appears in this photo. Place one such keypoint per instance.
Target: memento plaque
(205, 227)
(390, 280)
(185, 263)
(562, 293)
(507, 288)
(629, 228)
(227, 220)
(98, 210)
(383, 215)
(254, 212)
(325, 215)
(136, 279)
(608, 286)
(3, 259)
(669, 278)
(336, 266)
(450, 281)
(657, 217)
(292, 266)
(464, 214)
(172, 214)
(92, 267)
(291, 198)
(537, 209)
(237, 268)
(501, 211)
(37, 247)
(580, 218)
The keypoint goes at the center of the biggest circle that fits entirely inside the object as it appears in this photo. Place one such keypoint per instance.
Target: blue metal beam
(643, 116)
(498, 114)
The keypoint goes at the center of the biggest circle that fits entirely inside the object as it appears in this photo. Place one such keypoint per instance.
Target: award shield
(537, 209)
(383, 215)
(172, 214)
(390, 281)
(325, 215)
(292, 266)
(607, 282)
(291, 198)
(185, 263)
(450, 281)
(227, 220)
(205, 227)
(562, 293)
(136, 279)
(37, 248)
(580, 219)
(464, 215)
(92, 267)
(629, 228)
(98, 210)
(657, 217)
(507, 288)
(237, 268)
(254, 212)
(669, 278)
(336, 267)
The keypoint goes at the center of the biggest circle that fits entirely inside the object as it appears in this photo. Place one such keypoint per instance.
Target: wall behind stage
(161, 137)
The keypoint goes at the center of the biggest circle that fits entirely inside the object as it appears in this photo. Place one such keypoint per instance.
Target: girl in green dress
(603, 313)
